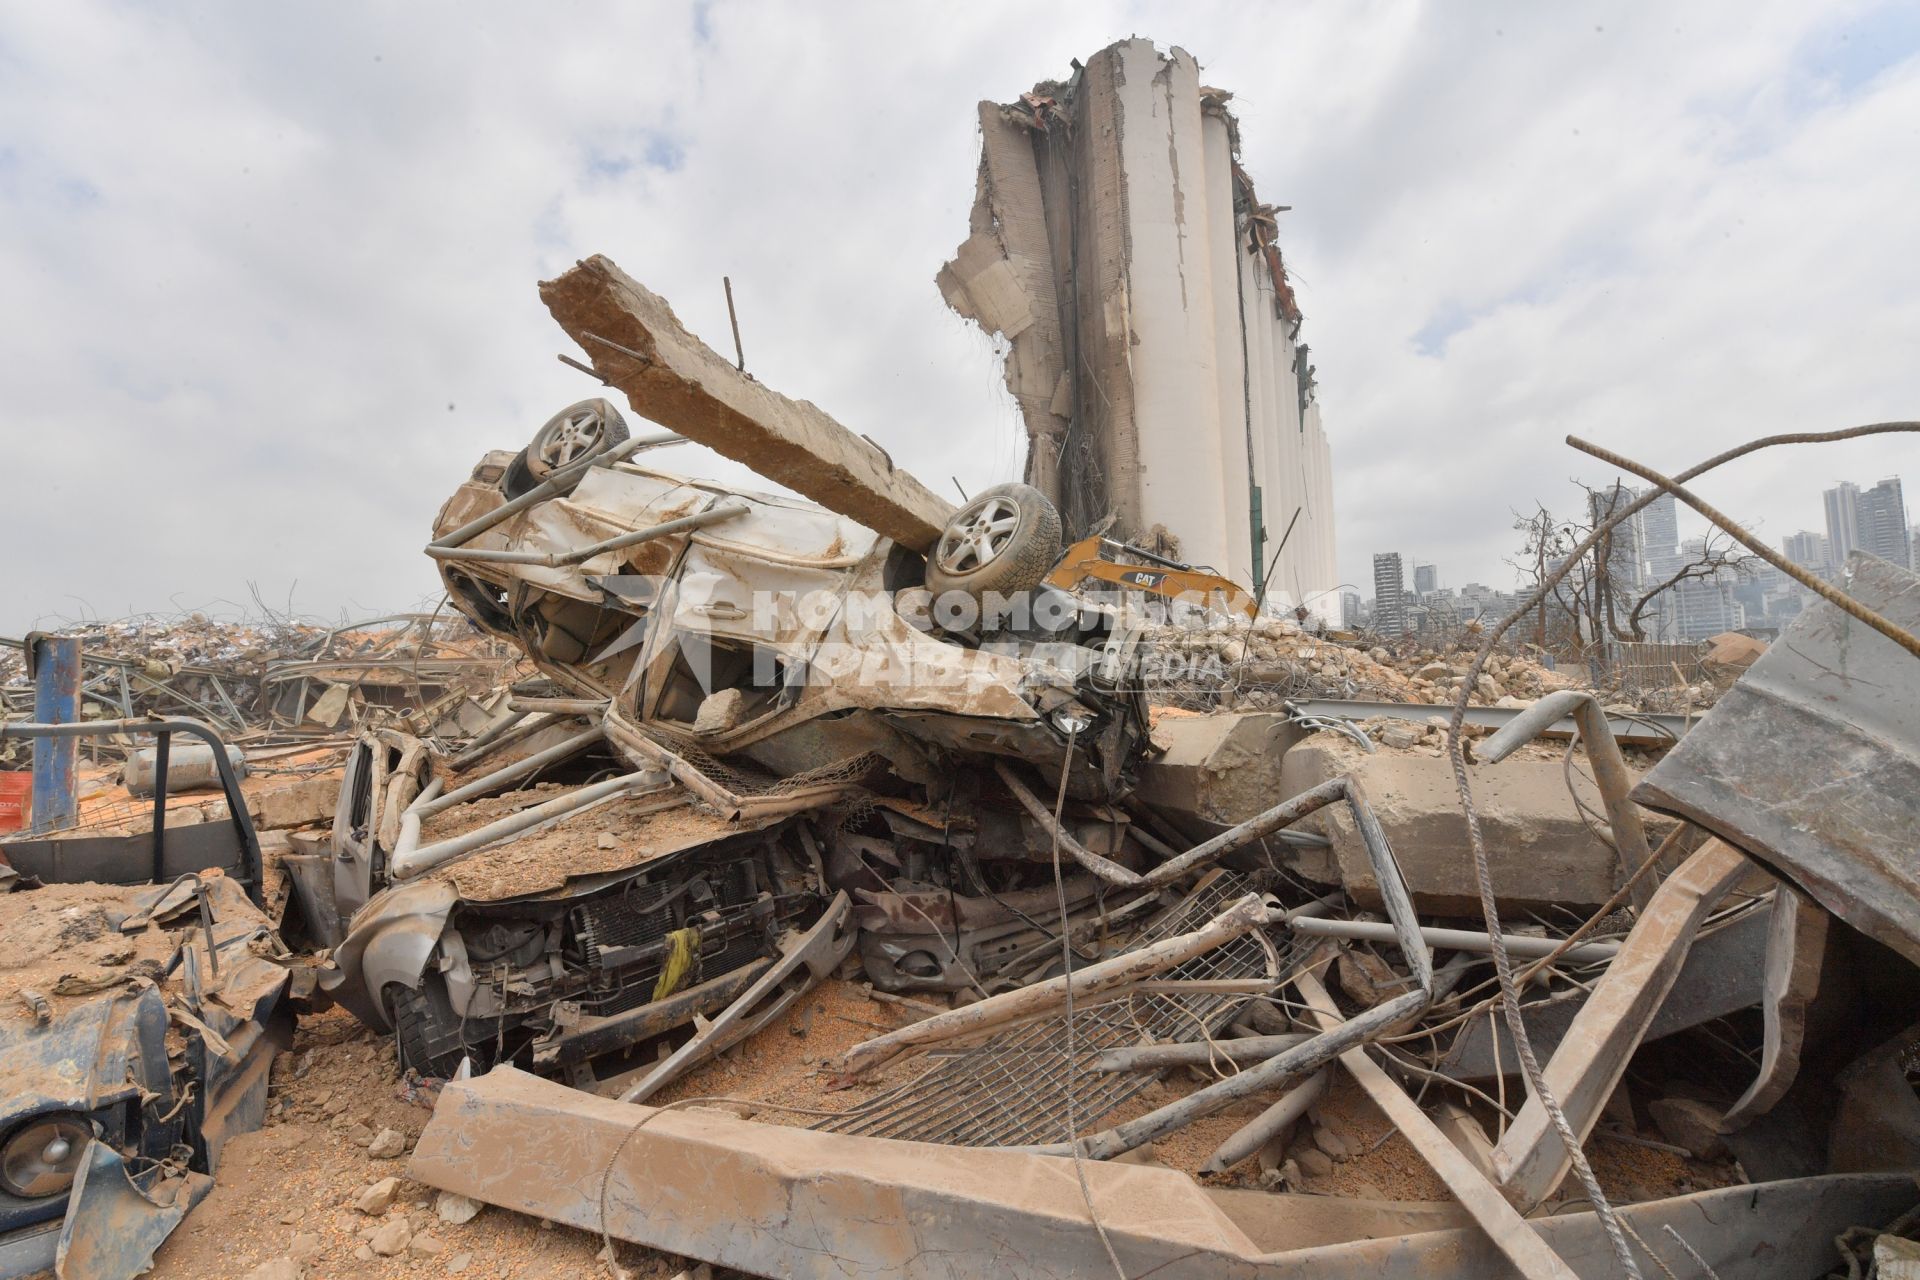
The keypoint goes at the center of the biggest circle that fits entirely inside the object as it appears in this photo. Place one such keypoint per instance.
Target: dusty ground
(289, 1190)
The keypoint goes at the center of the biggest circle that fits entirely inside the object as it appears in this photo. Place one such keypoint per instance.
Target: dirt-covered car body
(780, 631)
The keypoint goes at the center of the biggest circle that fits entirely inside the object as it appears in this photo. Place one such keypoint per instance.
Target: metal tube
(495, 735)
(556, 559)
(1263, 1128)
(1196, 1053)
(561, 481)
(426, 806)
(1326, 1046)
(56, 700)
(425, 859)
(1609, 773)
(1456, 939)
(1282, 814)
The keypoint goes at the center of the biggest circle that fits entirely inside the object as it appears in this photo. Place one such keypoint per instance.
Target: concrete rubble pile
(834, 892)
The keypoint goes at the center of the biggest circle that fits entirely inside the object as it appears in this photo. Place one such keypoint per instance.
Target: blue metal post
(56, 700)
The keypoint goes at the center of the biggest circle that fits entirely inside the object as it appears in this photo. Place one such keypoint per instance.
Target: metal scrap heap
(860, 884)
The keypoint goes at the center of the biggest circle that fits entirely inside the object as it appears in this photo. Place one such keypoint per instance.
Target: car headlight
(41, 1157)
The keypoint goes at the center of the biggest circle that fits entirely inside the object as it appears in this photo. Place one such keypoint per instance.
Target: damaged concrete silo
(1153, 340)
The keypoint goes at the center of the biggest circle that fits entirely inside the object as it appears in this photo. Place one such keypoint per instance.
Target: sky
(269, 272)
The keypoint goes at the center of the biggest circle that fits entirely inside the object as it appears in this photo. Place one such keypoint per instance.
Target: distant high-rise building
(1426, 579)
(1389, 595)
(1704, 607)
(1623, 557)
(1351, 613)
(1882, 529)
(1843, 520)
(1659, 528)
(1807, 549)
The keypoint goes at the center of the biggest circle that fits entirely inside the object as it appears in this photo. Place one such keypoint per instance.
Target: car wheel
(427, 1036)
(577, 432)
(1004, 540)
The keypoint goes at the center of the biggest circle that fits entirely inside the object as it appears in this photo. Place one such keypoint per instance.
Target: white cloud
(252, 254)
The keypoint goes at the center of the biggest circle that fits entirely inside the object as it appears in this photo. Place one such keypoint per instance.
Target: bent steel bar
(418, 859)
(1283, 814)
(559, 482)
(229, 781)
(1609, 772)
(1326, 1046)
(556, 559)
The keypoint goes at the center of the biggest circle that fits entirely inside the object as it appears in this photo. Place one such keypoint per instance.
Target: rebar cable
(1482, 871)
(1066, 960)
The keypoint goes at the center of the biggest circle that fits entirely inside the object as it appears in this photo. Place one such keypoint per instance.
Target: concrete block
(1541, 851)
(1217, 770)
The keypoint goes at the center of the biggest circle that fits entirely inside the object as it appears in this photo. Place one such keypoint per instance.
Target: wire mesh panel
(1012, 1089)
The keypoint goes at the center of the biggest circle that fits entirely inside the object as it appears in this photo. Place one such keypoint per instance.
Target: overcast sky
(269, 271)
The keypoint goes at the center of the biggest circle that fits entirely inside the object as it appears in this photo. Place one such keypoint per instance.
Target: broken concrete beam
(776, 1201)
(637, 344)
(1216, 771)
(1542, 853)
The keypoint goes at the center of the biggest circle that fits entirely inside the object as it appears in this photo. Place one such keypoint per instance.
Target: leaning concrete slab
(637, 344)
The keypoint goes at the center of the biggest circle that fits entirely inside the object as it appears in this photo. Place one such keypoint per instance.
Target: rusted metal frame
(1044, 997)
(567, 1047)
(558, 559)
(1609, 771)
(237, 810)
(818, 952)
(1326, 1046)
(1583, 1072)
(1252, 829)
(560, 482)
(1510, 1233)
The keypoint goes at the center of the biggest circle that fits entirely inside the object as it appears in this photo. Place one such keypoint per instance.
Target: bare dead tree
(1602, 596)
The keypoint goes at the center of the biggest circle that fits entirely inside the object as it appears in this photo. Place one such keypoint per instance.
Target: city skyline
(1648, 549)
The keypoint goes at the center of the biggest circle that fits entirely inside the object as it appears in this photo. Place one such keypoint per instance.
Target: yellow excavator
(1091, 558)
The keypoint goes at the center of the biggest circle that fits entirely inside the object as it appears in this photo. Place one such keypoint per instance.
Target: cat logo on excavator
(1088, 558)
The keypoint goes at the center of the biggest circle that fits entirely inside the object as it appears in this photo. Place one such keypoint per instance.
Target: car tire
(576, 433)
(1004, 540)
(427, 1036)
